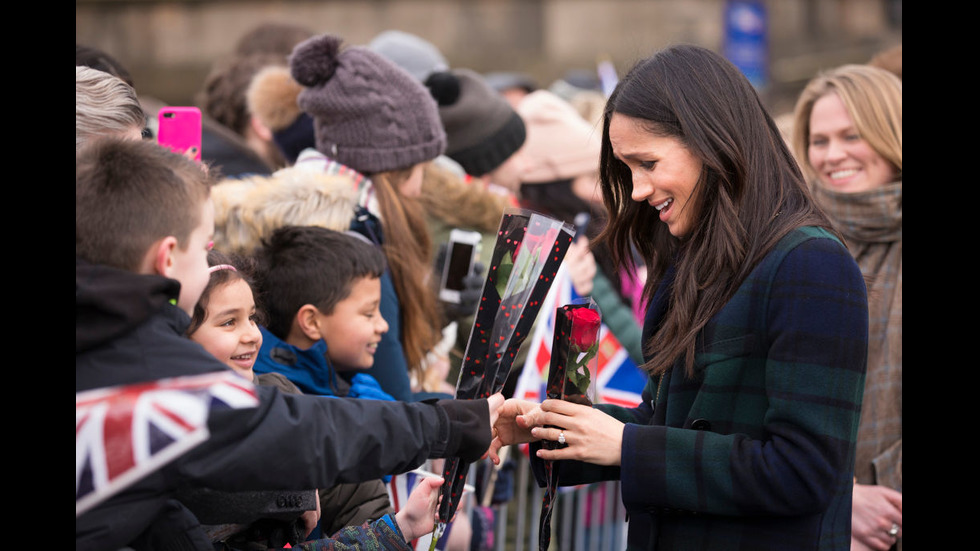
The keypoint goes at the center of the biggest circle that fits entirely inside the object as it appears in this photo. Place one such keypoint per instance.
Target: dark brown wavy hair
(749, 195)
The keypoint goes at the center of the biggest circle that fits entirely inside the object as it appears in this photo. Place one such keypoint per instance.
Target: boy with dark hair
(143, 226)
(321, 291)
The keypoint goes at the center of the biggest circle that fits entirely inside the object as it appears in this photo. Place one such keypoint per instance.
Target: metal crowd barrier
(584, 518)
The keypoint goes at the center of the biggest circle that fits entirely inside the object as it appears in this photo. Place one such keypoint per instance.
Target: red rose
(585, 328)
(538, 243)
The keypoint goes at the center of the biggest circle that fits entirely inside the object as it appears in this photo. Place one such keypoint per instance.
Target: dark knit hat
(482, 128)
(368, 113)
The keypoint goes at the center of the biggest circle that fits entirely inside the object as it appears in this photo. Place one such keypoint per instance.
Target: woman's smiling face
(841, 158)
(664, 171)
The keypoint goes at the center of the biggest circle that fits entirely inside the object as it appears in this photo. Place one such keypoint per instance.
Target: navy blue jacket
(756, 450)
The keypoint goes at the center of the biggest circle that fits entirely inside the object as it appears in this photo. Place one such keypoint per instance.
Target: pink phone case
(179, 128)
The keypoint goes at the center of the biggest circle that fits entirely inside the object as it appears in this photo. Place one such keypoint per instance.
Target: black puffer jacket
(127, 331)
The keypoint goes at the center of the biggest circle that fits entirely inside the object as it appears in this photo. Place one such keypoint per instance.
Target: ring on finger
(561, 437)
(893, 531)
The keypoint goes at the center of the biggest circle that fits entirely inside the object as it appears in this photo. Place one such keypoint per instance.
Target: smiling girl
(224, 320)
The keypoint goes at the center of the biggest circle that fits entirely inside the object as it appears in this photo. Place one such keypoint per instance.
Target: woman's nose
(835, 151)
(641, 189)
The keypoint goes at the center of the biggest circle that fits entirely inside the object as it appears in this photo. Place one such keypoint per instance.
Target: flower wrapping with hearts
(574, 348)
(527, 254)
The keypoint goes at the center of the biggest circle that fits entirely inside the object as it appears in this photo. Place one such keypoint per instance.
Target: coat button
(701, 424)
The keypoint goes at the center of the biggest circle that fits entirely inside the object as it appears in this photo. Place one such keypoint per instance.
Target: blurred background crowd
(171, 45)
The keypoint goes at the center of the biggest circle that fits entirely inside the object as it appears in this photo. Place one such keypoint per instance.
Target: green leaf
(503, 273)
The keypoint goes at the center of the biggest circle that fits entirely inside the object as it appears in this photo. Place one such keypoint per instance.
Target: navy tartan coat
(756, 450)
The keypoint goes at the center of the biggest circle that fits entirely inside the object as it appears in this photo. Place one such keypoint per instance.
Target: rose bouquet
(527, 254)
(573, 363)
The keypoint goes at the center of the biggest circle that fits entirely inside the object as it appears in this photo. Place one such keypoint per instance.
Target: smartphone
(461, 254)
(582, 220)
(179, 128)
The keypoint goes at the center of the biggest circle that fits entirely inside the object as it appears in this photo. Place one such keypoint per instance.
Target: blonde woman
(848, 137)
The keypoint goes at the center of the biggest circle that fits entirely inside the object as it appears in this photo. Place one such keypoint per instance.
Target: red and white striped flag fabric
(125, 432)
(618, 380)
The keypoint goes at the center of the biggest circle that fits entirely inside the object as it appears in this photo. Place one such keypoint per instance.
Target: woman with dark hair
(755, 338)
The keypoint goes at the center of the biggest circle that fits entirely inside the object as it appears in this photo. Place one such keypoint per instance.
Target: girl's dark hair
(241, 267)
(749, 195)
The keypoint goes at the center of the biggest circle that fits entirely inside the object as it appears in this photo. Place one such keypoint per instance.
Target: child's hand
(418, 516)
(512, 425)
(310, 518)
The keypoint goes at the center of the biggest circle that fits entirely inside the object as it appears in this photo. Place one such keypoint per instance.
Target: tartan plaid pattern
(756, 451)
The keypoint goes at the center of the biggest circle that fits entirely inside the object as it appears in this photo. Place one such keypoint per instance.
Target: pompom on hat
(368, 113)
(483, 129)
(561, 144)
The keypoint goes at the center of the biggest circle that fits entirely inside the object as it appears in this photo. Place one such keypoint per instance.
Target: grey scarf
(871, 223)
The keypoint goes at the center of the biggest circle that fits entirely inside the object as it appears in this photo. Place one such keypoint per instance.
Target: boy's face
(354, 328)
(190, 264)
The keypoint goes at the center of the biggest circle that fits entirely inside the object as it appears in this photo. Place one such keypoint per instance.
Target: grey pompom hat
(368, 113)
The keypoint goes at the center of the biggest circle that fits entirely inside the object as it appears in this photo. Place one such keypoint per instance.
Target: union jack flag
(125, 432)
(399, 488)
(619, 380)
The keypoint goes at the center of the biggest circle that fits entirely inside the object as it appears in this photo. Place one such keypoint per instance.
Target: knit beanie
(410, 52)
(368, 113)
(483, 130)
(272, 99)
(560, 145)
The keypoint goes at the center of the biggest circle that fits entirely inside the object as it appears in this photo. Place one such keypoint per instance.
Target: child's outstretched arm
(415, 519)
(418, 516)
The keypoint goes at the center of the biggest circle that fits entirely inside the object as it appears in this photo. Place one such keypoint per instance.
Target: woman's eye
(647, 165)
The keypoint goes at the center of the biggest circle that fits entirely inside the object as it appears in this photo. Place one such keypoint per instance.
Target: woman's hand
(874, 510)
(589, 434)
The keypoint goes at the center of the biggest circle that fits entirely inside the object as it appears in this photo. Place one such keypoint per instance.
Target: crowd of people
(753, 270)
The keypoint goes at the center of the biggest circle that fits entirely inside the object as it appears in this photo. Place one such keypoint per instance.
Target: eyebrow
(641, 156)
(228, 312)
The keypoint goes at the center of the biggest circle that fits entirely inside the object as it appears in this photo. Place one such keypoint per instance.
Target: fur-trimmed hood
(249, 210)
